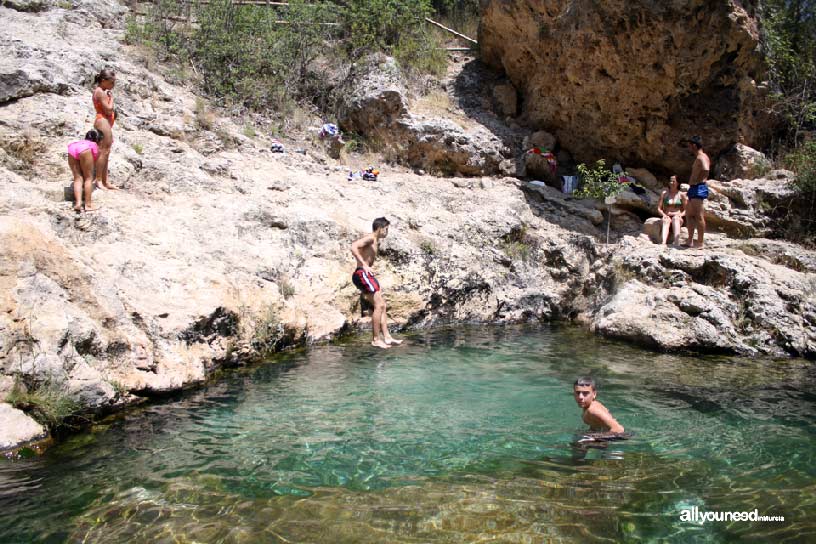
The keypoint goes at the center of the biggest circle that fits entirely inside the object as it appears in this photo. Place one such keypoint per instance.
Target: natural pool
(463, 435)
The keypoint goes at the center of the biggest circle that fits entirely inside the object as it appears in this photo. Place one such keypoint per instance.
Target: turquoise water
(459, 436)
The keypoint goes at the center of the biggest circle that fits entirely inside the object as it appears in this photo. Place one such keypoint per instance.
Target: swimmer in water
(601, 423)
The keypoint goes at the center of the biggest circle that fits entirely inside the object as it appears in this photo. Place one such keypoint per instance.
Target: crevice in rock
(221, 322)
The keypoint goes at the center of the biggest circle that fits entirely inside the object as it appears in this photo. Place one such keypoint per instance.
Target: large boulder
(628, 80)
(741, 162)
(732, 300)
(750, 208)
(376, 106)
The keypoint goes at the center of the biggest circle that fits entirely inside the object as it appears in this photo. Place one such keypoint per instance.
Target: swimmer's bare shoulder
(600, 419)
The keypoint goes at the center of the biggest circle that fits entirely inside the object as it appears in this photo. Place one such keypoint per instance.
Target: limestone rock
(646, 179)
(727, 301)
(88, 386)
(36, 62)
(541, 139)
(696, 73)
(741, 162)
(652, 228)
(376, 106)
(748, 208)
(506, 99)
(17, 429)
(380, 96)
(537, 167)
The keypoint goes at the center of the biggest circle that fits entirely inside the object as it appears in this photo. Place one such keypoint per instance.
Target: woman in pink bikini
(105, 117)
(82, 156)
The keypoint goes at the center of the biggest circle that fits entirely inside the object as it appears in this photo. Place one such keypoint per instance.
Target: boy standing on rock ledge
(365, 252)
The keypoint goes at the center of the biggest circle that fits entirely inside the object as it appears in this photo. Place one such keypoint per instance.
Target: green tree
(598, 182)
(789, 41)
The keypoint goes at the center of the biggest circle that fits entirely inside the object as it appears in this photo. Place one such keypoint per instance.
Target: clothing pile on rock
(276, 146)
(552, 162)
(369, 174)
(626, 179)
(329, 130)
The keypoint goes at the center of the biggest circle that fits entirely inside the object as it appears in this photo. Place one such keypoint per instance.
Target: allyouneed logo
(694, 515)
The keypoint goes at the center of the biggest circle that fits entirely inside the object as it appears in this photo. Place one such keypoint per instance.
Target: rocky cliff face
(216, 249)
(626, 80)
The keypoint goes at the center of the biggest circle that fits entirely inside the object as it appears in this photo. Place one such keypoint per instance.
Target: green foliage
(803, 162)
(263, 56)
(119, 388)
(428, 247)
(461, 15)
(269, 331)
(598, 182)
(517, 251)
(789, 41)
(518, 244)
(47, 403)
(379, 25)
(138, 148)
(286, 288)
(395, 27)
(420, 53)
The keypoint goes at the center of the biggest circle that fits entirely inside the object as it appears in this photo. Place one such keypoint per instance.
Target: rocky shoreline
(217, 251)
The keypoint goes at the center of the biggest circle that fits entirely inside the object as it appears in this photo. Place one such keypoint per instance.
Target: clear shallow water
(460, 436)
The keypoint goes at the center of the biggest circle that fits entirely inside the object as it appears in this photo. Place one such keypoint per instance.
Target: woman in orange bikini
(672, 208)
(105, 117)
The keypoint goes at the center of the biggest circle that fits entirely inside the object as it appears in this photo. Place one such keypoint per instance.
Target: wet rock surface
(17, 429)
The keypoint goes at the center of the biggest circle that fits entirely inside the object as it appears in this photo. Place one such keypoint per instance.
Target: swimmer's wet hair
(379, 223)
(93, 136)
(585, 381)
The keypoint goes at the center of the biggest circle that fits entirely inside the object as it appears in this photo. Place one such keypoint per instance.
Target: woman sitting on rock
(672, 208)
(105, 117)
(82, 156)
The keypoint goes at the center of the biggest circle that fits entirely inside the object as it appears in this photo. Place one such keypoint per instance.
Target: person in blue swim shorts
(698, 191)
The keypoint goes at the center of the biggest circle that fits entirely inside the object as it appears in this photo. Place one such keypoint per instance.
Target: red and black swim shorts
(364, 281)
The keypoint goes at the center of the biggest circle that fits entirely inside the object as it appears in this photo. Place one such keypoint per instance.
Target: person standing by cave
(698, 191)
